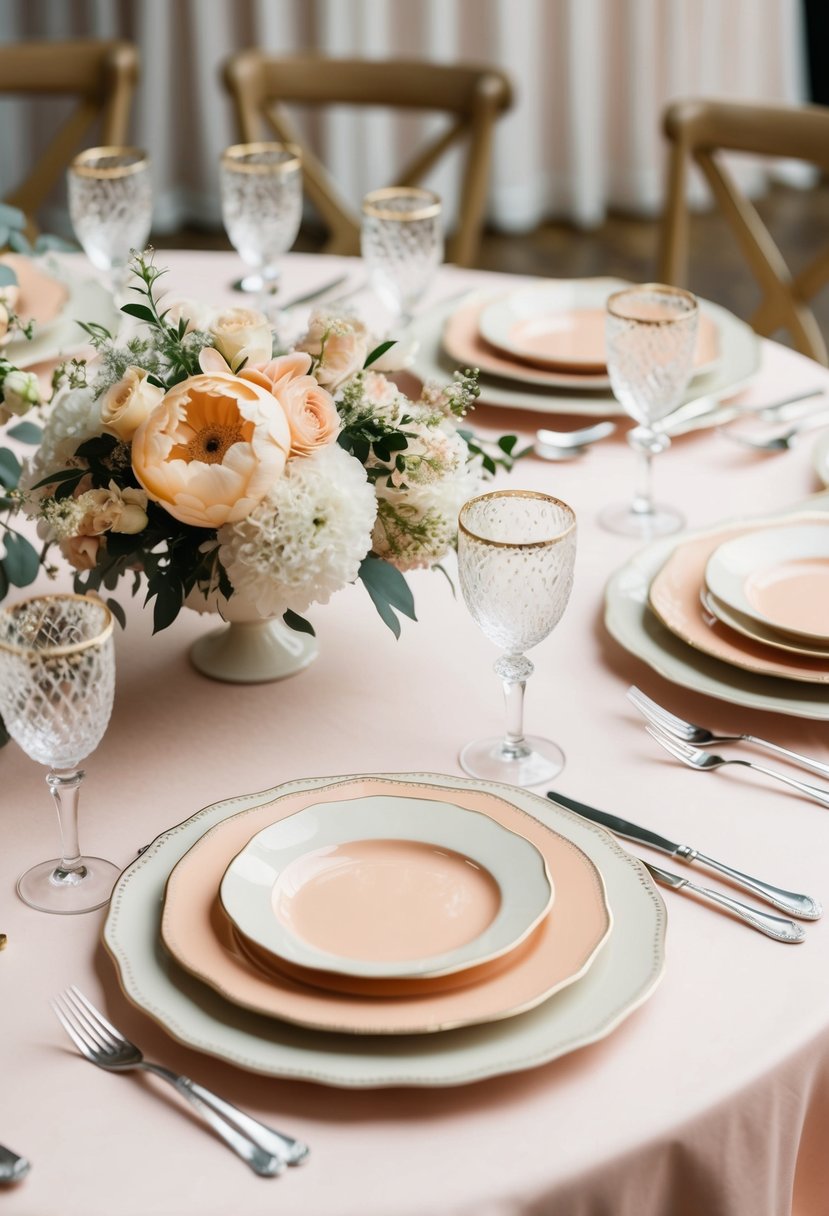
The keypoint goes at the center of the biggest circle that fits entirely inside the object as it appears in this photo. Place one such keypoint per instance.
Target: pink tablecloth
(713, 1098)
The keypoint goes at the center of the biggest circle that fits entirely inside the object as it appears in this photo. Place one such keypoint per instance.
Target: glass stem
(64, 788)
(643, 494)
(514, 670)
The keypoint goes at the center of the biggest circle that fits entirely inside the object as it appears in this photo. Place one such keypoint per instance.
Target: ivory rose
(340, 346)
(21, 391)
(211, 449)
(126, 404)
(310, 410)
(113, 510)
(242, 334)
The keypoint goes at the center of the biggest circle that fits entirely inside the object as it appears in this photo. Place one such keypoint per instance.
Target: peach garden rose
(211, 449)
(309, 408)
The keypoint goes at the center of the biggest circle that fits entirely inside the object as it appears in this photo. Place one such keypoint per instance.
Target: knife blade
(803, 906)
(778, 927)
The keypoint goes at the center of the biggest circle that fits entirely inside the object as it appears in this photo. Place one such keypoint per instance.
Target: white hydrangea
(417, 526)
(74, 417)
(306, 539)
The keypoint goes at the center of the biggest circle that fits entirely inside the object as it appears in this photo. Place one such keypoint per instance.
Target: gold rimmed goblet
(516, 553)
(402, 245)
(261, 186)
(57, 680)
(111, 206)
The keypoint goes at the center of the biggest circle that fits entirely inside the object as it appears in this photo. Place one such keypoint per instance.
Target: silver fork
(266, 1151)
(782, 441)
(706, 762)
(689, 732)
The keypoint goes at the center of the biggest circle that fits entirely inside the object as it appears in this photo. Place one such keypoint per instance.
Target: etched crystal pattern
(56, 705)
(650, 352)
(516, 571)
(402, 256)
(262, 209)
(111, 215)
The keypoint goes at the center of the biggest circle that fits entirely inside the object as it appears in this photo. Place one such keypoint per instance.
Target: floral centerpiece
(193, 461)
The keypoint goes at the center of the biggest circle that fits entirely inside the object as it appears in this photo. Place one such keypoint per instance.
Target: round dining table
(711, 1098)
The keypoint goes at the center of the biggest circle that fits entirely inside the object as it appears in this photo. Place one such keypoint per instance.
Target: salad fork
(266, 1151)
(706, 762)
(689, 732)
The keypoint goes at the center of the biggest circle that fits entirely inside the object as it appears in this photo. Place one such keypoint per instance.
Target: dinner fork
(782, 441)
(689, 732)
(266, 1151)
(706, 762)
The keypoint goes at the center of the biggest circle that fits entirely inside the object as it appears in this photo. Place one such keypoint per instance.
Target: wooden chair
(475, 97)
(102, 75)
(699, 131)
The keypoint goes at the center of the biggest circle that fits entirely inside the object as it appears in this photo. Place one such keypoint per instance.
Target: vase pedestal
(253, 652)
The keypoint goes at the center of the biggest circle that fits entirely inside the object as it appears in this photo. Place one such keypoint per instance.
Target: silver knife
(12, 1167)
(773, 926)
(788, 901)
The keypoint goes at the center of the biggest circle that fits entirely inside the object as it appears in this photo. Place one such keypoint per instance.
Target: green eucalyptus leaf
(7, 276)
(22, 561)
(388, 582)
(168, 599)
(9, 469)
(4, 734)
(19, 242)
(25, 432)
(118, 612)
(47, 243)
(12, 217)
(4, 581)
(298, 623)
(378, 352)
(141, 311)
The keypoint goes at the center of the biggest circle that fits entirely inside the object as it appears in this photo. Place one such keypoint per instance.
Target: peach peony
(310, 410)
(211, 449)
(125, 406)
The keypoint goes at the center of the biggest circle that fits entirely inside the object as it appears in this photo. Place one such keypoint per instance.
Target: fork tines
(679, 750)
(87, 1028)
(655, 713)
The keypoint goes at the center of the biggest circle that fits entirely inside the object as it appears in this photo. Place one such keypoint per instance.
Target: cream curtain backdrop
(591, 78)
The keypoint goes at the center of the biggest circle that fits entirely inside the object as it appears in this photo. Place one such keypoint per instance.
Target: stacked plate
(369, 931)
(542, 347)
(53, 298)
(740, 611)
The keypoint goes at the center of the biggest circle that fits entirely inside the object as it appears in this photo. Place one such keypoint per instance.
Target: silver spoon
(567, 445)
(783, 440)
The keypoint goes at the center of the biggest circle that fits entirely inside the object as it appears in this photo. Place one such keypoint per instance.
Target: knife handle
(788, 901)
(773, 926)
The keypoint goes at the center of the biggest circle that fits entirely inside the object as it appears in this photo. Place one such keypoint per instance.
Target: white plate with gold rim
(623, 975)
(387, 887)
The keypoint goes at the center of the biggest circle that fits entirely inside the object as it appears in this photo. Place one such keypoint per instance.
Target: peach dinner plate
(675, 597)
(386, 887)
(561, 325)
(39, 297)
(556, 954)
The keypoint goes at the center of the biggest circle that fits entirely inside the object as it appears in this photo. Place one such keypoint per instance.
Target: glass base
(50, 889)
(624, 521)
(486, 758)
(251, 283)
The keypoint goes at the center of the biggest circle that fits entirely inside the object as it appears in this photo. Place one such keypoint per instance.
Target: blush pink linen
(711, 1099)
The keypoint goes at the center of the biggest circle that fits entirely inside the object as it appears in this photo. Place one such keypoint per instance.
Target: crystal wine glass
(262, 207)
(651, 334)
(516, 552)
(402, 245)
(57, 679)
(111, 206)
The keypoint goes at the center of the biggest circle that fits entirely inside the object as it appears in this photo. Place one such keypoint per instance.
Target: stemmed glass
(402, 245)
(261, 187)
(651, 333)
(516, 552)
(57, 679)
(111, 206)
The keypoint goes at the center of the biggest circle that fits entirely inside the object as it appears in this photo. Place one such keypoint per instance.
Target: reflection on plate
(563, 948)
(753, 629)
(739, 361)
(386, 887)
(675, 598)
(625, 973)
(635, 627)
(778, 577)
(561, 324)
